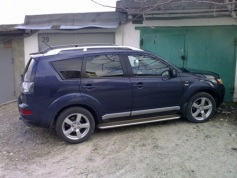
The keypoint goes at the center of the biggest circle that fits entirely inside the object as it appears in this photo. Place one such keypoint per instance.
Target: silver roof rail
(57, 50)
(77, 45)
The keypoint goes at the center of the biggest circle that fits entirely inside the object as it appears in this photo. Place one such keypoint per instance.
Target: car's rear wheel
(201, 107)
(75, 125)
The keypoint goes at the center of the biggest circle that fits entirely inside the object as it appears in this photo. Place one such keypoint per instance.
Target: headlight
(213, 80)
(219, 81)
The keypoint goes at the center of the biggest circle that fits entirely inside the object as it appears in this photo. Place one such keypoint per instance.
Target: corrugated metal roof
(73, 21)
(7, 28)
(171, 8)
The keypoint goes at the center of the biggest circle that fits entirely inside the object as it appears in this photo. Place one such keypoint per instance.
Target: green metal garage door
(205, 48)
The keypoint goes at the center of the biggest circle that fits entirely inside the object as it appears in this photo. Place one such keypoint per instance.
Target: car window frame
(124, 67)
(65, 59)
(130, 70)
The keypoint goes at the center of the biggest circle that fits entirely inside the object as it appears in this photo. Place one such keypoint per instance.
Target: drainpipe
(231, 9)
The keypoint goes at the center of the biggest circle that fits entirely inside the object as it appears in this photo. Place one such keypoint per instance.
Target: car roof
(81, 49)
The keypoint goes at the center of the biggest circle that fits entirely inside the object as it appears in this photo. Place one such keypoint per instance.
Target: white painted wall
(31, 46)
(128, 36)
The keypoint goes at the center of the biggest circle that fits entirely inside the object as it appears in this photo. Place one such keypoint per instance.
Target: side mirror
(174, 73)
(136, 63)
(166, 75)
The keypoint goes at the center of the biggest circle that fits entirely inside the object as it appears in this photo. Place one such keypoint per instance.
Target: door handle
(139, 85)
(88, 87)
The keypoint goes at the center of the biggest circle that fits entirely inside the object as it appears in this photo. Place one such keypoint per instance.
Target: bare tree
(145, 7)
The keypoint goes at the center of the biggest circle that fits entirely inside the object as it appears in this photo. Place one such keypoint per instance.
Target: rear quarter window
(68, 69)
(29, 70)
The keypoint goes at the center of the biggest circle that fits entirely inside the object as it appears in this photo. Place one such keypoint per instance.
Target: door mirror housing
(166, 75)
(174, 73)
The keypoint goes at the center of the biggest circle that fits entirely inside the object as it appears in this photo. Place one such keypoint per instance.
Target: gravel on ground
(171, 149)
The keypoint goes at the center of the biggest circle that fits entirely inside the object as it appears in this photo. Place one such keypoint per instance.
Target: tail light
(27, 87)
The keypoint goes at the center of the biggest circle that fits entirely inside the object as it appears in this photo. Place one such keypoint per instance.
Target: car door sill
(138, 121)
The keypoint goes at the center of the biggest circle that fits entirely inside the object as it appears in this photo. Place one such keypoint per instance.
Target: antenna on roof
(47, 45)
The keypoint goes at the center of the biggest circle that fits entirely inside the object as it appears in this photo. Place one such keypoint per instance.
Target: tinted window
(103, 66)
(69, 68)
(146, 66)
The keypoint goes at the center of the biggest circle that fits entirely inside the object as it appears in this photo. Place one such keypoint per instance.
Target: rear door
(152, 93)
(106, 86)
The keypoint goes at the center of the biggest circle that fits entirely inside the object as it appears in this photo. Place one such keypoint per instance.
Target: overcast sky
(14, 11)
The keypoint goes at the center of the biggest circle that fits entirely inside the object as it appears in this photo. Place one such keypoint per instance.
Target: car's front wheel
(75, 125)
(201, 107)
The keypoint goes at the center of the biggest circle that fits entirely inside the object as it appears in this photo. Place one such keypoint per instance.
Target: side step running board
(137, 121)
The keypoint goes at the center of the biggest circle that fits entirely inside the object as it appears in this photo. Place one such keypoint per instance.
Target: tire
(75, 125)
(200, 108)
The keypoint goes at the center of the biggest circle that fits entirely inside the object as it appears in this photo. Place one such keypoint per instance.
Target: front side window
(68, 68)
(143, 65)
(103, 66)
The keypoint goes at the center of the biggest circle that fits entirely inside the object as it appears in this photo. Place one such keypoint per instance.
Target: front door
(151, 92)
(105, 85)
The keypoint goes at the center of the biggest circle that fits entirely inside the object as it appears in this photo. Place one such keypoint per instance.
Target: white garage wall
(127, 35)
(31, 46)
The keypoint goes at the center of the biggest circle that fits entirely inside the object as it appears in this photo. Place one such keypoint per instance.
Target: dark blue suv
(75, 88)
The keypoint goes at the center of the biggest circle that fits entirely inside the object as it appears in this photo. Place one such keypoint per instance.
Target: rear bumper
(27, 122)
(28, 119)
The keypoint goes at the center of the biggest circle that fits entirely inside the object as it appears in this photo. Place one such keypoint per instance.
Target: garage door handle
(88, 87)
(139, 85)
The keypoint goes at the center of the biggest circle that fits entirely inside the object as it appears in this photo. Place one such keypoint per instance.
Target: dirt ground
(173, 149)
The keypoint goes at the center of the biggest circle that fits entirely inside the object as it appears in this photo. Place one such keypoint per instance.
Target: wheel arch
(190, 95)
(95, 114)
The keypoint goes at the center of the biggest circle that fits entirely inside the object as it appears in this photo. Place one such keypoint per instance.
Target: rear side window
(68, 69)
(29, 74)
(104, 66)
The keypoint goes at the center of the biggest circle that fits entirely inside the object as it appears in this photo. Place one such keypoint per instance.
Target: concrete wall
(31, 46)
(19, 61)
(127, 34)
